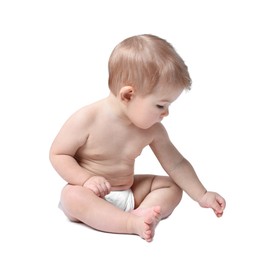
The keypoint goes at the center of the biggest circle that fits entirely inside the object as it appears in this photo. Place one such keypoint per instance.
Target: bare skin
(95, 152)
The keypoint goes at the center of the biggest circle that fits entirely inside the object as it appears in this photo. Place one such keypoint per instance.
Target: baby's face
(146, 111)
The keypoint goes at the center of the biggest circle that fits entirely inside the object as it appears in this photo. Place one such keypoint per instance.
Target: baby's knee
(69, 197)
(69, 202)
(177, 191)
(66, 194)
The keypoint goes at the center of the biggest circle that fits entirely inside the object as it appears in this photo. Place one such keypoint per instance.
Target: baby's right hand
(99, 185)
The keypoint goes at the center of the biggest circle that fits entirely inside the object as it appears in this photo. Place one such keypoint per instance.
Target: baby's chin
(146, 125)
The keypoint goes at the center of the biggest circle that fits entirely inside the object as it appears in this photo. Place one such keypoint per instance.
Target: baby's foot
(149, 218)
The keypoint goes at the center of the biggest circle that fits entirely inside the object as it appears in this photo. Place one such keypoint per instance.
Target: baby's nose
(165, 113)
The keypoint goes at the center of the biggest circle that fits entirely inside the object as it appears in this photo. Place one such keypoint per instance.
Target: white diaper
(123, 199)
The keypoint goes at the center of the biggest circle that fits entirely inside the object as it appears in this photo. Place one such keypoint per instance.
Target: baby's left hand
(215, 201)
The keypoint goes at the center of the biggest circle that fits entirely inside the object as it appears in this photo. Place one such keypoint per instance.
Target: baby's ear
(126, 93)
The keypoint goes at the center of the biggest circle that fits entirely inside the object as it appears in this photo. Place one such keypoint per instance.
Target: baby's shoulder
(88, 110)
(158, 131)
(86, 114)
(158, 128)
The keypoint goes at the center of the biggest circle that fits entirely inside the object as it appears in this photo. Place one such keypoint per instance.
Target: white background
(53, 60)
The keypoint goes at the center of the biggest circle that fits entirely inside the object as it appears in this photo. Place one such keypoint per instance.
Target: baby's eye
(160, 106)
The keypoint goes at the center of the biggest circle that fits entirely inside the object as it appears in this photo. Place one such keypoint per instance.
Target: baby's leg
(151, 190)
(80, 203)
(151, 217)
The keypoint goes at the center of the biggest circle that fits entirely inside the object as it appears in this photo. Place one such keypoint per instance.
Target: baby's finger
(104, 190)
(95, 189)
(216, 207)
(219, 214)
(221, 202)
(108, 186)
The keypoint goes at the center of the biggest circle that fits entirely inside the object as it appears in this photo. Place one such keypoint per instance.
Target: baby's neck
(117, 108)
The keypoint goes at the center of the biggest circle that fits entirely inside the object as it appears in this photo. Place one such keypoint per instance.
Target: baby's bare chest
(115, 145)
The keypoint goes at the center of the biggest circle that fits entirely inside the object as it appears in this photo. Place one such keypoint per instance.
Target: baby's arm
(182, 172)
(184, 175)
(71, 137)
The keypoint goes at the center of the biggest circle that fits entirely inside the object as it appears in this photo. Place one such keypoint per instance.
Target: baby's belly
(120, 175)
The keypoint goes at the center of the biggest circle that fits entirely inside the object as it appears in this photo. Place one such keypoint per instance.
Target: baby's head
(142, 62)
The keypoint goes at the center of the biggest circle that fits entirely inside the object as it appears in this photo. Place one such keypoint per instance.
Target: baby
(96, 148)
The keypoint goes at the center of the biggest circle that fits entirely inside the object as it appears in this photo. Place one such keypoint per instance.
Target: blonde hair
(143, 61)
